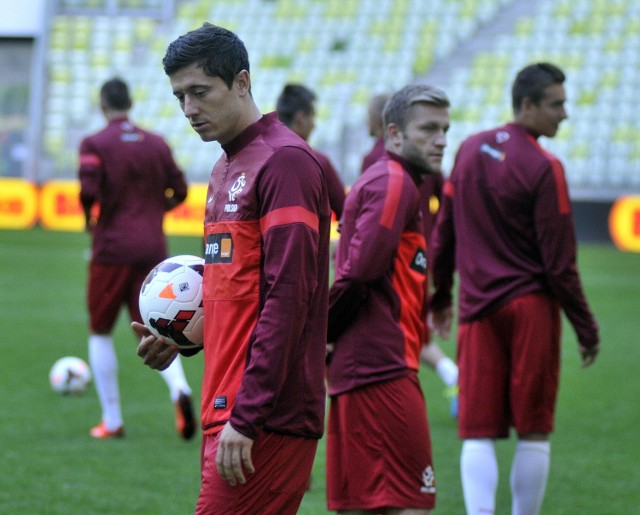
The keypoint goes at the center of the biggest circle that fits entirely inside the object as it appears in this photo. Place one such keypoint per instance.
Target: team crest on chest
(236, 189)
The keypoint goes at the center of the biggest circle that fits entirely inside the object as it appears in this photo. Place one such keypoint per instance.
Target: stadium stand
(348, 50)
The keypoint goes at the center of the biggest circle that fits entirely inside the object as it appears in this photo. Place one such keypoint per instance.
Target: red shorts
(282, 471)
(379, 448)
(111, 286)
(509, 364)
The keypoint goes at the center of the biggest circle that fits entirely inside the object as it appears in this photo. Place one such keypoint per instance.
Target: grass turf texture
(51, 464)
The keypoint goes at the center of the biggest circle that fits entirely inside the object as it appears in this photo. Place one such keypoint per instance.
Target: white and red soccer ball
(70, 375)
(171, 301)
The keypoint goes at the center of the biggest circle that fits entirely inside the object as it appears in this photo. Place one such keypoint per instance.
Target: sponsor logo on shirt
(502, 136)
(220, 402)
(218, 248)
(131, 137)
(494, 153)
(419, 262)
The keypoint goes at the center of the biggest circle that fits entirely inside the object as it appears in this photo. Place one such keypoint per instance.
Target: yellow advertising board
(60, 208)
(187, 219)
(624, 223)
(56, 206)
(18, 204)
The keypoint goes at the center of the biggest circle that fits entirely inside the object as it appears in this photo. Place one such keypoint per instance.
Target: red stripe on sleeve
(394, 191)
(90, 160)
(289, 215)
(564, 205)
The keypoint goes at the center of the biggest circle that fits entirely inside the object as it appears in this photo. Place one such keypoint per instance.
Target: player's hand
(155, 352)
(234, 455)
(588, 355)
(440, 322)
(329, 350)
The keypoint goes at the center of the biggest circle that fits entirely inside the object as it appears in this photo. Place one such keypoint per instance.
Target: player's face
(305, 123)
(214, 111)
(425, 137)
(546, 116)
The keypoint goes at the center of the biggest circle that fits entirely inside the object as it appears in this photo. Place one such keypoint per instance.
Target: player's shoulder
(377, 178)
(150, 135)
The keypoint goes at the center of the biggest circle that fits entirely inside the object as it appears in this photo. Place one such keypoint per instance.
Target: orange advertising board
(18, 204)
(624, 223)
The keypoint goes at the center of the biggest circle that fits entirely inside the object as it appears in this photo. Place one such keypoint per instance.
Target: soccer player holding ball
(265, 287)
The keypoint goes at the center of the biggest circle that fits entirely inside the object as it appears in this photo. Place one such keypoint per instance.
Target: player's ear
(526, 104)
(243, 82)
(393, 135)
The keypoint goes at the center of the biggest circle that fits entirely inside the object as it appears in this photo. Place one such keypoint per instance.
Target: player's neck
(111, 114)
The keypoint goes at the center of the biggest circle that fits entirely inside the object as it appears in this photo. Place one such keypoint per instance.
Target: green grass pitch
(51, 465)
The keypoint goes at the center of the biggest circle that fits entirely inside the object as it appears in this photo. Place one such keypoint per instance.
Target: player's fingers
(246, 459)
(140, 329)
(144, 346)
(223, 462)
(236, 466)
(156, 353)
(588, 356)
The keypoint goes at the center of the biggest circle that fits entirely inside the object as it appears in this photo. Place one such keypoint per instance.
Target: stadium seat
(348, 49)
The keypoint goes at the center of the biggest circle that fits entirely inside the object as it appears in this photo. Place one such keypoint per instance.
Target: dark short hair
(294, 98)
(532, 81)
(115, 94)
(397, 108)
(218, 51)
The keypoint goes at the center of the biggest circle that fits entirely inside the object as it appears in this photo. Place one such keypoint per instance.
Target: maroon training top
(377, 302)
(334, 184)
(266, 281)
(506, 221)
(127, 170)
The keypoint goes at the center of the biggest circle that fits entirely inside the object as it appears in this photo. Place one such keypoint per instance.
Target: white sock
(174, 376)
(448, 371)
(479, 471)
(104, 365)
(529, 472)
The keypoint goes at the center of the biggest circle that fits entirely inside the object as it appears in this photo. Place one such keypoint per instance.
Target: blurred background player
(128, 181)
(378, 444)
(375, 107)
(506, 226)
(296, 108)
(430, 195)
(266, 282)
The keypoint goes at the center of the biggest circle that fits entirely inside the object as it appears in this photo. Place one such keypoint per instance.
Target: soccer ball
(171, 301)
(70, 375)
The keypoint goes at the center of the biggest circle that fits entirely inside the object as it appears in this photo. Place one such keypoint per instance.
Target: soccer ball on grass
(70, 375)
(171, 301)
